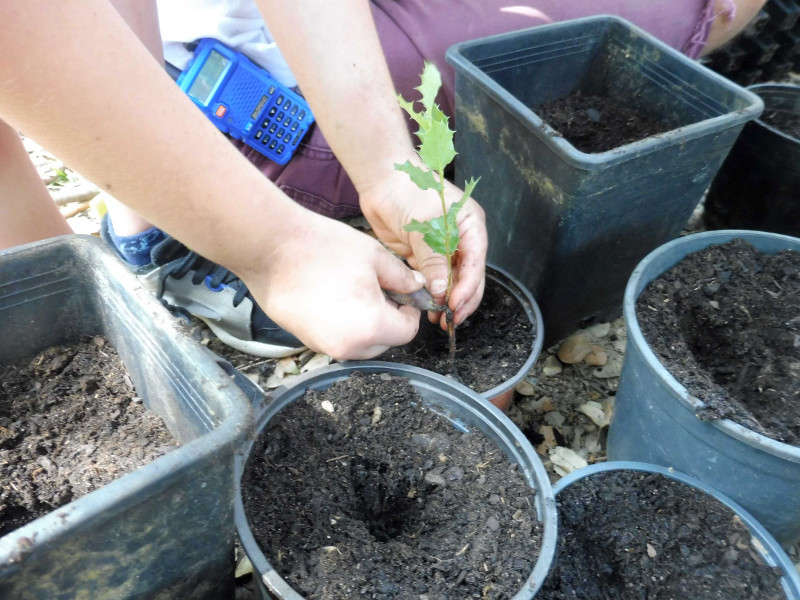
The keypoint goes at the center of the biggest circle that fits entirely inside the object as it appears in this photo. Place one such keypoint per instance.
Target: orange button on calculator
(221, 110)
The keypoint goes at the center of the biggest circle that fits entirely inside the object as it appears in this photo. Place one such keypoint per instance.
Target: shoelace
(217, 275)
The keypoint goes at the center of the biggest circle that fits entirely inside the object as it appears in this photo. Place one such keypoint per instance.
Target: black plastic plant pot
(654, 415)
(572, 225)
(166, 530)
(464, 407)
(757, 185)
(767, 546)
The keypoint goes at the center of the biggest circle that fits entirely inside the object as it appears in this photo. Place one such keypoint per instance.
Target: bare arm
(112, 113)
(345, 78)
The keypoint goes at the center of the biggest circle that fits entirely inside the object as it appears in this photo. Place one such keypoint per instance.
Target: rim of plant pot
(752, 104)
(776, 556)
(501, 394)
(461, 405)
(663, 258)
(759, 89)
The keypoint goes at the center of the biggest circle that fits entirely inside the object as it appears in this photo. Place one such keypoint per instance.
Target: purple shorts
(415, 30)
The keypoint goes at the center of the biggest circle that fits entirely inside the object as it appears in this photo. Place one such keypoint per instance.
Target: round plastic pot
(467, 411)
(773, 554)
(502, 394)
(757, 185)
(654, 416)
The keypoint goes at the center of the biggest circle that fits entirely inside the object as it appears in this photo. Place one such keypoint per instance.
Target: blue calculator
(245, 101)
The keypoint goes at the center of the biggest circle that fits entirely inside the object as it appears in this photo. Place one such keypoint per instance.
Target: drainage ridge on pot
(654, 415)
(464, 407)
(757, 185)
(773, 554)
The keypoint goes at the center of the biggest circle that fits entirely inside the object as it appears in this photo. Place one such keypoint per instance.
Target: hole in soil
(382, 500)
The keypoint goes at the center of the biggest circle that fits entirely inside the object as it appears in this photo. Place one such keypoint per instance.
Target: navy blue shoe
(186, 282)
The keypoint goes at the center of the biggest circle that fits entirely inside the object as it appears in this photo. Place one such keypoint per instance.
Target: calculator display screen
(207, 78)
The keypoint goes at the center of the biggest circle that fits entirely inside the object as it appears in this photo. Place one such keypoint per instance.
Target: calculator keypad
(282, 126)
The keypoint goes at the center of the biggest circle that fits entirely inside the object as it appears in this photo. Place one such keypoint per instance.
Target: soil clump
(632, 535)
(725, 322)
(597, 123)
(70, 422)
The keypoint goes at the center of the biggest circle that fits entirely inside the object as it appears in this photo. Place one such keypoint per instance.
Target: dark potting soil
(787, 122)
(632, 535)
(70, 422)
(725, 322)
(383, 499)
(492, 345)
(597, 123)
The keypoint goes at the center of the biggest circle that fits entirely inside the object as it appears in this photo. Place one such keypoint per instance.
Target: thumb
(434, 268)
(395, 276)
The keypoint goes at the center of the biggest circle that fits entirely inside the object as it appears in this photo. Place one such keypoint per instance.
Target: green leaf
(432, 233)
(424, 179)
(407, 106)
(431, 82)
(436, 147)
(468, 188)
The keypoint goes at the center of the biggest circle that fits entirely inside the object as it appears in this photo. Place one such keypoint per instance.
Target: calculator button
(272, 144)
(259, 133)
(288, 138)
(265, 141)
(287, 105)
(271, 90)
(294, 111)
(273, 127)
(301, 115)
(280, 133)
(221, 110)
(294, 126)
(279, 100)
(272, 111)
(287, 122)
(280, 149)
(279, 117)
(298, 136)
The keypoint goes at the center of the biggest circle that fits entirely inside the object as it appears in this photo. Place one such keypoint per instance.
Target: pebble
(492, 523)
(525, 388)
(574, 349)
(597, 357)
(554, 418)
(600, 330)
(552, 366)
(612, 368)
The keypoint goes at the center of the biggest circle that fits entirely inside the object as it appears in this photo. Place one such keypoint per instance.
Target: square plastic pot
(572, 225)
(654, 417)
(166, 530)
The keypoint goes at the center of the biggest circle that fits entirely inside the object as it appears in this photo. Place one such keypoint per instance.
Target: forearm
(336, 56)
(119, 120)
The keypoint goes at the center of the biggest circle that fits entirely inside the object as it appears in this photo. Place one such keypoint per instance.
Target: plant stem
(451, 328)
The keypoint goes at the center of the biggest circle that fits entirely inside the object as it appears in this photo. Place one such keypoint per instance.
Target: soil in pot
(359, 492)
(633, 535)
(787, 122)
(725, 322)
(70, 422)
(594, 123)
(492, 345)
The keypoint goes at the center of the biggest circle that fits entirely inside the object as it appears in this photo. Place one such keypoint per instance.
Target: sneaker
(186, 282)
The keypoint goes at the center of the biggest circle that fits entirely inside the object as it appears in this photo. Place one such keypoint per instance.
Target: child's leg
(28, 211)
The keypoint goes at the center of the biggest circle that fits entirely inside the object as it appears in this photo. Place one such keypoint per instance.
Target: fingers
(394, 275)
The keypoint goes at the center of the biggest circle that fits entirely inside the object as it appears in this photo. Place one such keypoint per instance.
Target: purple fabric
(415, 30)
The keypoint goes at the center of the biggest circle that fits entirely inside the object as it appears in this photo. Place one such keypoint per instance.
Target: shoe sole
(259, 349)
